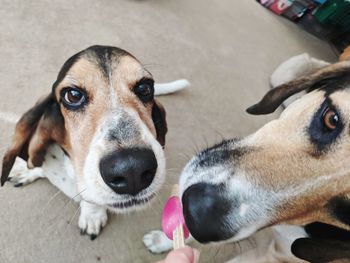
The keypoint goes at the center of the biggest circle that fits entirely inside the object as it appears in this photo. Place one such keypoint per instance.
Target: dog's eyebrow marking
(332, 84)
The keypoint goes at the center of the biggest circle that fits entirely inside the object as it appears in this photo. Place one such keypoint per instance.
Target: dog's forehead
(305, 105)
(101, 63)
(340, 99)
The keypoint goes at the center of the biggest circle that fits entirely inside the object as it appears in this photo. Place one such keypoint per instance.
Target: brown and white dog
(97, 136)
(295, 170)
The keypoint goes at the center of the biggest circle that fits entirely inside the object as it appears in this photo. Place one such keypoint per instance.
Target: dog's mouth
(132, 202)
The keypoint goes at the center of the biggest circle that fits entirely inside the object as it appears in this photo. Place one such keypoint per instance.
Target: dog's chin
(131, 204)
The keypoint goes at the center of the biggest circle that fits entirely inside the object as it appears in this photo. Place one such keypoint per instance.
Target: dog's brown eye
(73, 98)
(144, 90)
(330, 119)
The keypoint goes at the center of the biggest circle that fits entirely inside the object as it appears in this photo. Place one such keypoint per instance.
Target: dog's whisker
(185, 156)
(153, 66)
(69, 201)
(51, 199)
(74, 215)
(216, 253)
(153, 210)
(171, 169)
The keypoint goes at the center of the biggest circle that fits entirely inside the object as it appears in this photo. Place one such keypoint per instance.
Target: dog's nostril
(119, 182)
(147, 177)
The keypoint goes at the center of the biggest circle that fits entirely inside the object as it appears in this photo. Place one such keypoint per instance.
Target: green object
(334, 13)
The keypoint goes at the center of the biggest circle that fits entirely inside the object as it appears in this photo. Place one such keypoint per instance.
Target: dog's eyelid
(76, 87)
(329, 105)
(147, 80)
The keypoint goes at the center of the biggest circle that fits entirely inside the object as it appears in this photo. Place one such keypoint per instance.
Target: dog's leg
(157, 242)
(92, 219)
(20, 175)
(293, 68)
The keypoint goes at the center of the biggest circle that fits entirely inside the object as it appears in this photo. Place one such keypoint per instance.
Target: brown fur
(345, 55)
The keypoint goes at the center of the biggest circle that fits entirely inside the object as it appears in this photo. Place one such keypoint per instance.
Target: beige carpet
(227, 49)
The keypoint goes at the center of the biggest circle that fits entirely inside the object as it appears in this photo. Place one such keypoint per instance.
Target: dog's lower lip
(132, 202)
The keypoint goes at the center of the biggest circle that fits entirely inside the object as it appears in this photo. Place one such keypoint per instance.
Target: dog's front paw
(157, 242)
(92, 219)
(20, 175)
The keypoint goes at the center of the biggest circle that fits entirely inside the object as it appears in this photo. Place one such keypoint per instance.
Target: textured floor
(227, 50)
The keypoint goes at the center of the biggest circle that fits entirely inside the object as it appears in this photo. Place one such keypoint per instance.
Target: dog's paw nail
(93, 237)
(82, 232)
(18, 185)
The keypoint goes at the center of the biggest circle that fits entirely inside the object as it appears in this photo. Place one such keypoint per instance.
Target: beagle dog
(292, 172)
(97, 136)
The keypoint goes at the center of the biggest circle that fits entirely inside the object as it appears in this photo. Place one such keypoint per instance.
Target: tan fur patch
(284, 164)
(105, 95)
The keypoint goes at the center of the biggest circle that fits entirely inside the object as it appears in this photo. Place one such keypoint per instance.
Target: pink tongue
(172, 217)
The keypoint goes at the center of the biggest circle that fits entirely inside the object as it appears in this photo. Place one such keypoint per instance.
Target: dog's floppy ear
(326, 243)
(37, 128)
(320, 250)
(159, 120)
(276, 96)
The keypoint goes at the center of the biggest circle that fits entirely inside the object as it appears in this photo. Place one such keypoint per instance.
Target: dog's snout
(129, 171)
(205, 209)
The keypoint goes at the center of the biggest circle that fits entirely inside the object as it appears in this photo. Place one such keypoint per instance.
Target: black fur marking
(332, 84)
(53, 156)
(325, 231)
(220, 153)
(330, 81)
(105, 55)
(320, 250)
(340, 208)
(320, 136)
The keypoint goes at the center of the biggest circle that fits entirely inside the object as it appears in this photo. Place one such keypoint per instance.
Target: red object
(173, 217)
(279, 6)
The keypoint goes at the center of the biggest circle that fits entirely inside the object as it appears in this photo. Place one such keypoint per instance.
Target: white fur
(92, 218)
(21, 175)
(157, 242)
(170, 87)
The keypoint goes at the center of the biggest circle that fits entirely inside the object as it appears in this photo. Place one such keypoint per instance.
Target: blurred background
(226, 49)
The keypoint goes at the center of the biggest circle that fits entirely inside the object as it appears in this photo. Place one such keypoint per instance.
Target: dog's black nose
(205, 210)
(129, 171)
